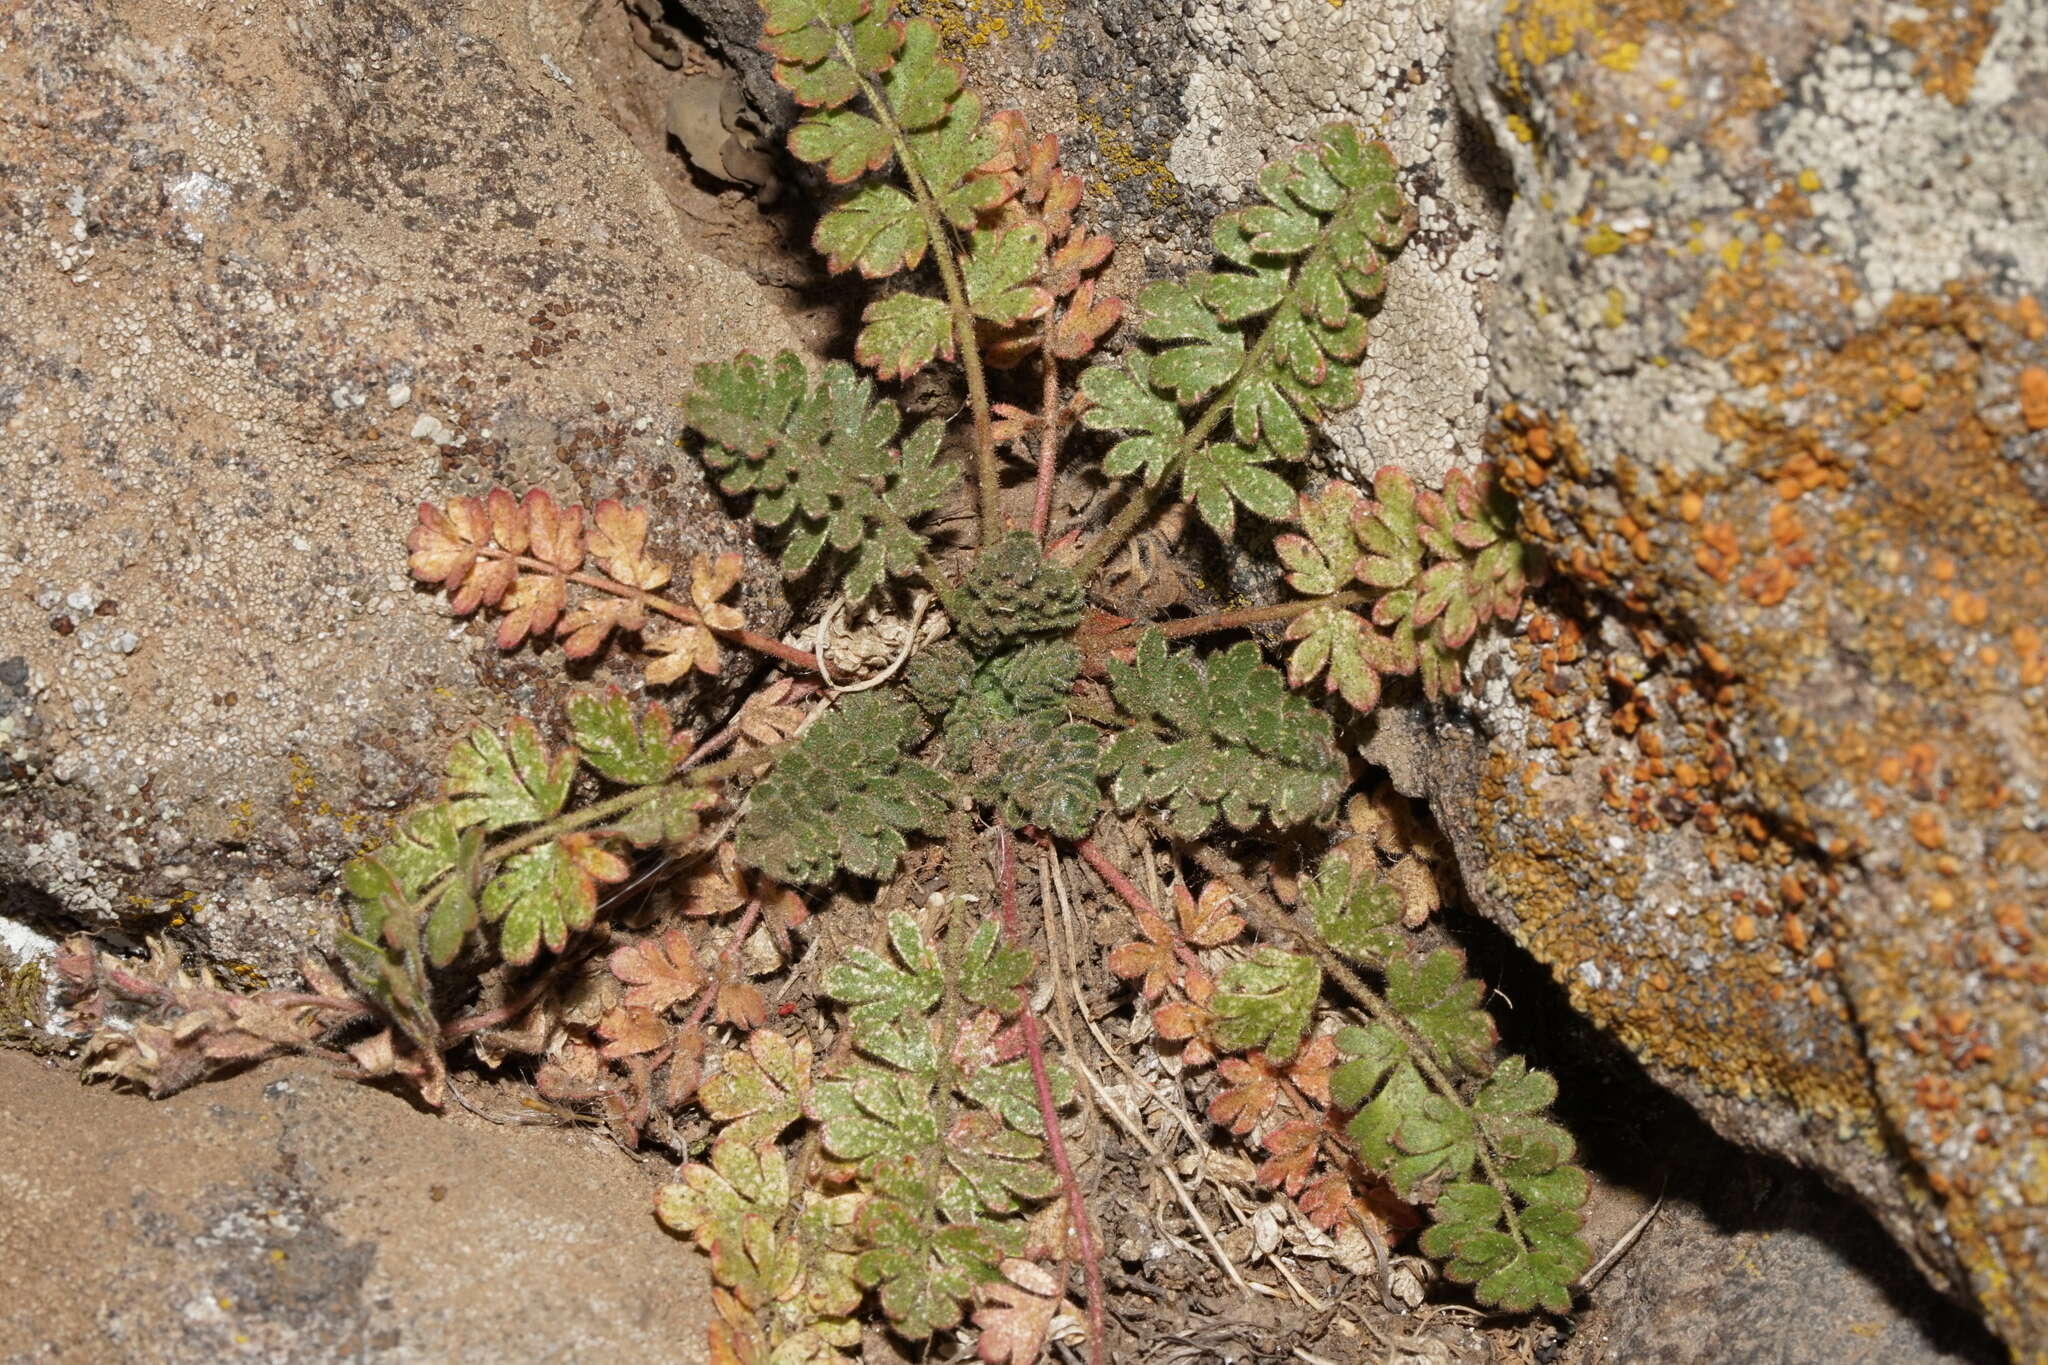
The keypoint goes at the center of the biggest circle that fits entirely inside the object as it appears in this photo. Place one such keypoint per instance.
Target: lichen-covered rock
(1764, 783)
(1169, 109)
(271, 279)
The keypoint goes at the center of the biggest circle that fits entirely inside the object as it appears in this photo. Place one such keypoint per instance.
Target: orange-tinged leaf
(1294, 1146)
(685, 1066)
(444, 547)
(710, 580)
(508, 521)
(485, 586)
(659, 972)
(1326, 1200)
(1016, 1312)
(741, 1005)
(1207, 922)
(1252, 1092)
(715, 886)
(531, 608)
(767, 718)
(680, 651)
(556, 531)
(1151, 958)
(588, 855)
(628, 1029)
(590, 623)
(1310, 1069)
(1083, 323)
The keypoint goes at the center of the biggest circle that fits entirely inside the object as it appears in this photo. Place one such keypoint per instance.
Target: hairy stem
(1048, 435)
(1048, 1112)
(726, 956)
(935, 229)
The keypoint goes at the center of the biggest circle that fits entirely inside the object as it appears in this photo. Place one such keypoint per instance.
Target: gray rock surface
(291, 1217)
(269, 280)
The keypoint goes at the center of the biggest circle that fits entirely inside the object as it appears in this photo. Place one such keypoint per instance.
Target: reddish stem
(739, 635)
(725, 957)
(1239, 619)
(1048, 436)
(1048, 1112)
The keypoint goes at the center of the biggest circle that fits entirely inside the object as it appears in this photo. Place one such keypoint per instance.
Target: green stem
(1144, 501)
(985, 471)
(1270, 919)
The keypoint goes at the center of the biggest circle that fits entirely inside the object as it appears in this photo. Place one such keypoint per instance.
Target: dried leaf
(659, 972)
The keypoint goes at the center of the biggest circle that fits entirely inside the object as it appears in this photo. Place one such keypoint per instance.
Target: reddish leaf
(629, 1030)
(1083, 322)
(1253, 1090)
(1207, 922)
(531, 607)
(659, 972)
(1327, 1200)
(1016, 1312)
(1152, 957)
(1293, 1145)
(741, 1005)
(685, 1066)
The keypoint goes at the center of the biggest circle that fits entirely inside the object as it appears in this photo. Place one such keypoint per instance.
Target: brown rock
(270, 283)
(1765, 309)
(290, 1216)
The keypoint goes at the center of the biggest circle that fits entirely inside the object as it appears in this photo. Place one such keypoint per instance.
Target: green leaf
(822, 462)
(497, 782)
(615, 747)
(1123, 399)
(948, 155)
(456, 913)
(991, 970)
(1341, 641)
(843, 796)
(881, 990)
(847, 143)
(924, 1274)
(672, 818)
(902, 334)
(539, 895)
(1220, 738)
(1168, 310)
(921, 86)
(1442, 1003)
(997, 1167)
(1514, 1089)
(998, 272)
(877, 228)
(880, 1114)
(731, 1208)
(1354, 909)
(1320, 562)
(384, 882)
(1264, 1002)
(1220, 476)
(761, 1089)
(1372, 1055)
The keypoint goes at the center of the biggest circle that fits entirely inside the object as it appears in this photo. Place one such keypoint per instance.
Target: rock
(1170, 109)
(1763, 783)
(224, 239)
(289, 1216)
